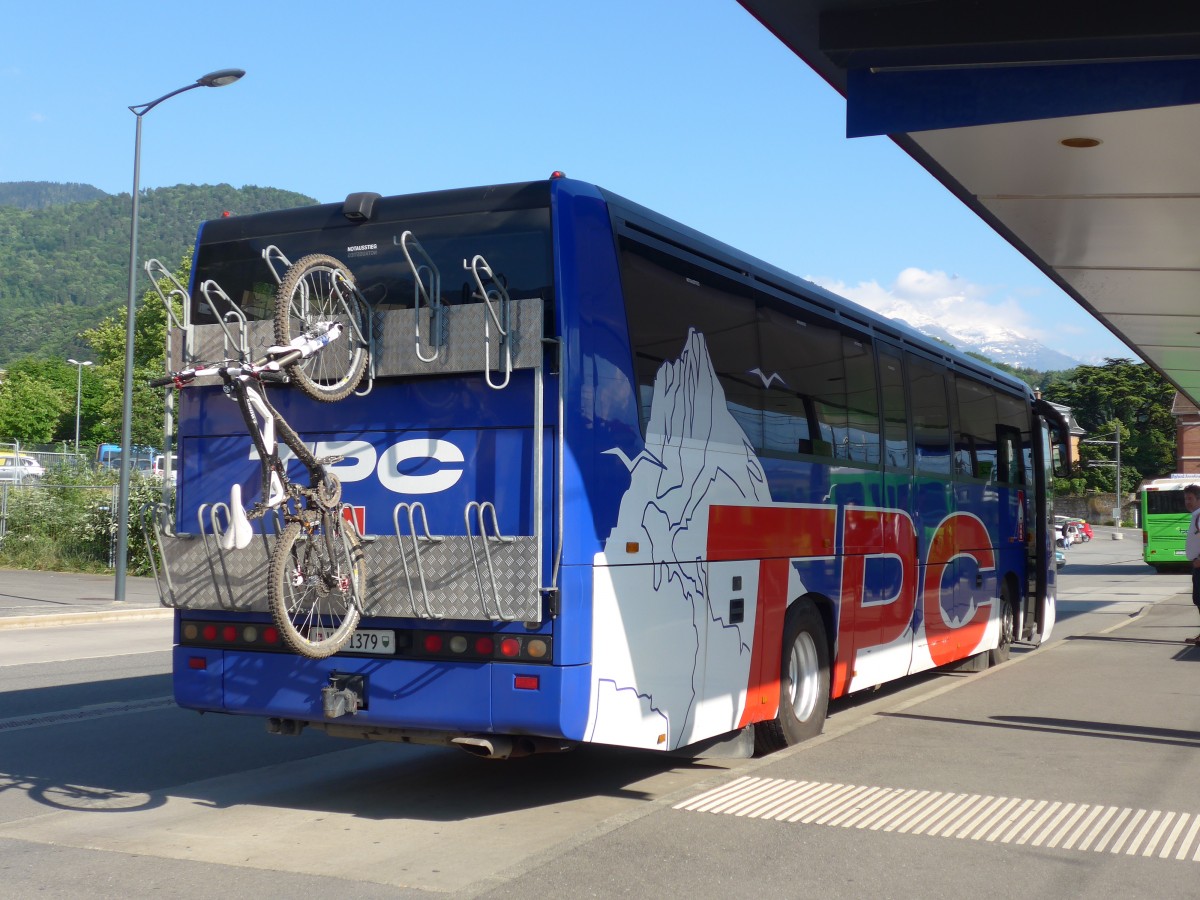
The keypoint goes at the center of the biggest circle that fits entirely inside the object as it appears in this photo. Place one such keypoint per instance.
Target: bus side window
(1008, 446)
(862, 400)
(794, 354)
(930, 416)
(897, 453)
(976, 420)
(1014, 436)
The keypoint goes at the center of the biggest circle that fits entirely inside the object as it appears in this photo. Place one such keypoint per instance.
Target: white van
(19, 469)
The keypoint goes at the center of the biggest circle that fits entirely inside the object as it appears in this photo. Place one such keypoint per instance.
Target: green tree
(149, 351)
(1132, 397)
(31, 410)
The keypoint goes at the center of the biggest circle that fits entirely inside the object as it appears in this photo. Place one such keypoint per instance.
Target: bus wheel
(1008, 627)
(803, 682)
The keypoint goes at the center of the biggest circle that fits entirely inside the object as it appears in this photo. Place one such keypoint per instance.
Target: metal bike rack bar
(481, 516)
(156, 522)
(492, 298)
(432, 295)
(412, 509)
(210, 290)
(158, 273)
(270, 256)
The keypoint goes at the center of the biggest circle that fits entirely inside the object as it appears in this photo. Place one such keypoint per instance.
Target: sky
(689, 107)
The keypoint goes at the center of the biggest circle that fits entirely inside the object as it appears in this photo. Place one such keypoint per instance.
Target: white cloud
(37, 117)
(954, 303)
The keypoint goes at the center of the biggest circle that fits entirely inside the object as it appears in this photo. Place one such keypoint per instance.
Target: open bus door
(1051, 458)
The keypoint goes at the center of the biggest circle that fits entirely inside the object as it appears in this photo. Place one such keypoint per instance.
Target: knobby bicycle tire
(316, 580)
(318, 288)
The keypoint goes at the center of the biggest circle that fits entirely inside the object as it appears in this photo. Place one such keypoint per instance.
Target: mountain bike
(316, 574)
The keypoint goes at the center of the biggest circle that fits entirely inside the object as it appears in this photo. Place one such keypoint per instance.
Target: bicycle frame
(244, 383)
(266, 426)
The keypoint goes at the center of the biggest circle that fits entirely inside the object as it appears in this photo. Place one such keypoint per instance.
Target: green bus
(1165, 521)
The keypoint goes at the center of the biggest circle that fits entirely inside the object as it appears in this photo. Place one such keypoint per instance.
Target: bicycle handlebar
(266, 369)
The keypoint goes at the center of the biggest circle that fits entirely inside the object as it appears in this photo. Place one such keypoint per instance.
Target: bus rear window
(1161, 503)
(515, 243)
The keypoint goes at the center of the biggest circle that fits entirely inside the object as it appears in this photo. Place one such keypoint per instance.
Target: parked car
(18, 469)
(1085, 528)
(1060, 559)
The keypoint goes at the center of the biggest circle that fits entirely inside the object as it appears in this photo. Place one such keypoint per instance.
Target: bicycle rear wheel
(315, 583)
(319, 289)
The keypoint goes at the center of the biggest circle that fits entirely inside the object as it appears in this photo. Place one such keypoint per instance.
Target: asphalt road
(1011, 780)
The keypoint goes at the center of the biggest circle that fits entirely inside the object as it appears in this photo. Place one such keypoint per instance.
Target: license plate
(362, 641)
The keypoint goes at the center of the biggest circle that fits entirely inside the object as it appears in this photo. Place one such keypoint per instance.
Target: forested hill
(40, 194)
(64, 264)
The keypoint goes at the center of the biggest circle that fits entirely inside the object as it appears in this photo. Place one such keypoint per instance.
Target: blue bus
(644, 491)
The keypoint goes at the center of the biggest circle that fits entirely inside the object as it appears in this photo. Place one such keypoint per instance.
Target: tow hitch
(344, 694)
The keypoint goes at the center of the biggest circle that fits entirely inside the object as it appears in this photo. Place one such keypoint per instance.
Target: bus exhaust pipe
(499, 746)
(494, 747)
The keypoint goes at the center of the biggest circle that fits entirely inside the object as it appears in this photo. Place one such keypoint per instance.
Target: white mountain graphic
(647, 676)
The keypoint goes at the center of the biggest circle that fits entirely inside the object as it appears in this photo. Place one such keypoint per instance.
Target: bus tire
(803, 682)
(1008, 627)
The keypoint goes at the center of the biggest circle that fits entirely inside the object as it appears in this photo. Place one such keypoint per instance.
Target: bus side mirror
(1060, 455)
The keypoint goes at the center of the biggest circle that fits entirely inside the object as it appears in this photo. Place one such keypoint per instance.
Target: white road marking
(1149, 833)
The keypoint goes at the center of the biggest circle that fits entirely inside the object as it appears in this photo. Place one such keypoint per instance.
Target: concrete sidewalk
(33, 599)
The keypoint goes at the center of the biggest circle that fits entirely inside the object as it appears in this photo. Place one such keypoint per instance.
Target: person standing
(1191, 500)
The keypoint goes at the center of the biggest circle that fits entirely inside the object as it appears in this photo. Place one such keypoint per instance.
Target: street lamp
(219, 78)
(78, 389)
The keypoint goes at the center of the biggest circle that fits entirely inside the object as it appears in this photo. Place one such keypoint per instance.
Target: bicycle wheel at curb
(319, 289)
(315, 583)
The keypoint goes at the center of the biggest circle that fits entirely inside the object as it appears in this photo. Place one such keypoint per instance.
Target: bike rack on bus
(412, 509)
(432, 295)
(483, 511)
(156, 521)
(157, 273)
(493, 297)
(210, 290)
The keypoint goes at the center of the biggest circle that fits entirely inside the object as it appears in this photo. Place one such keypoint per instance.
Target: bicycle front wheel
(316, 579)
(315, 291)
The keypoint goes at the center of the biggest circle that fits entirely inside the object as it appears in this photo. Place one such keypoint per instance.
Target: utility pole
(1105, 463)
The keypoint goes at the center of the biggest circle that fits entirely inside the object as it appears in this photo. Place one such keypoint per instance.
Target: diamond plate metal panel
(395, 342)
(464, 350)
(204, 577)
(456, 586)
(209, 342)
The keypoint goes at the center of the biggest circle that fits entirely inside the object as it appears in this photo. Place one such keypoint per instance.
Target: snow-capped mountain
(996, 343)
(963, 314)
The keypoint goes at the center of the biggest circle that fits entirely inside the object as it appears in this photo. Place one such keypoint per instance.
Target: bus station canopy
(1071, 128)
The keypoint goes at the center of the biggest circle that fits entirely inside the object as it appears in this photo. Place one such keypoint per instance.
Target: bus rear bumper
(410, 701)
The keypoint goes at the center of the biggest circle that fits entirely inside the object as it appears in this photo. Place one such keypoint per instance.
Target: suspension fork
(261, 421)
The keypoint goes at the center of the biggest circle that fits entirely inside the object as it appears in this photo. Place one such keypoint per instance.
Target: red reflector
(525, 682)
(271, 635)
(510, 647)
(433, 643)
(210, 632)
(197, 662)
(229, 633)
(485, 646)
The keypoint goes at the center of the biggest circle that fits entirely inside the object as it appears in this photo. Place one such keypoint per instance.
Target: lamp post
(219, 78)
(78, 389)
